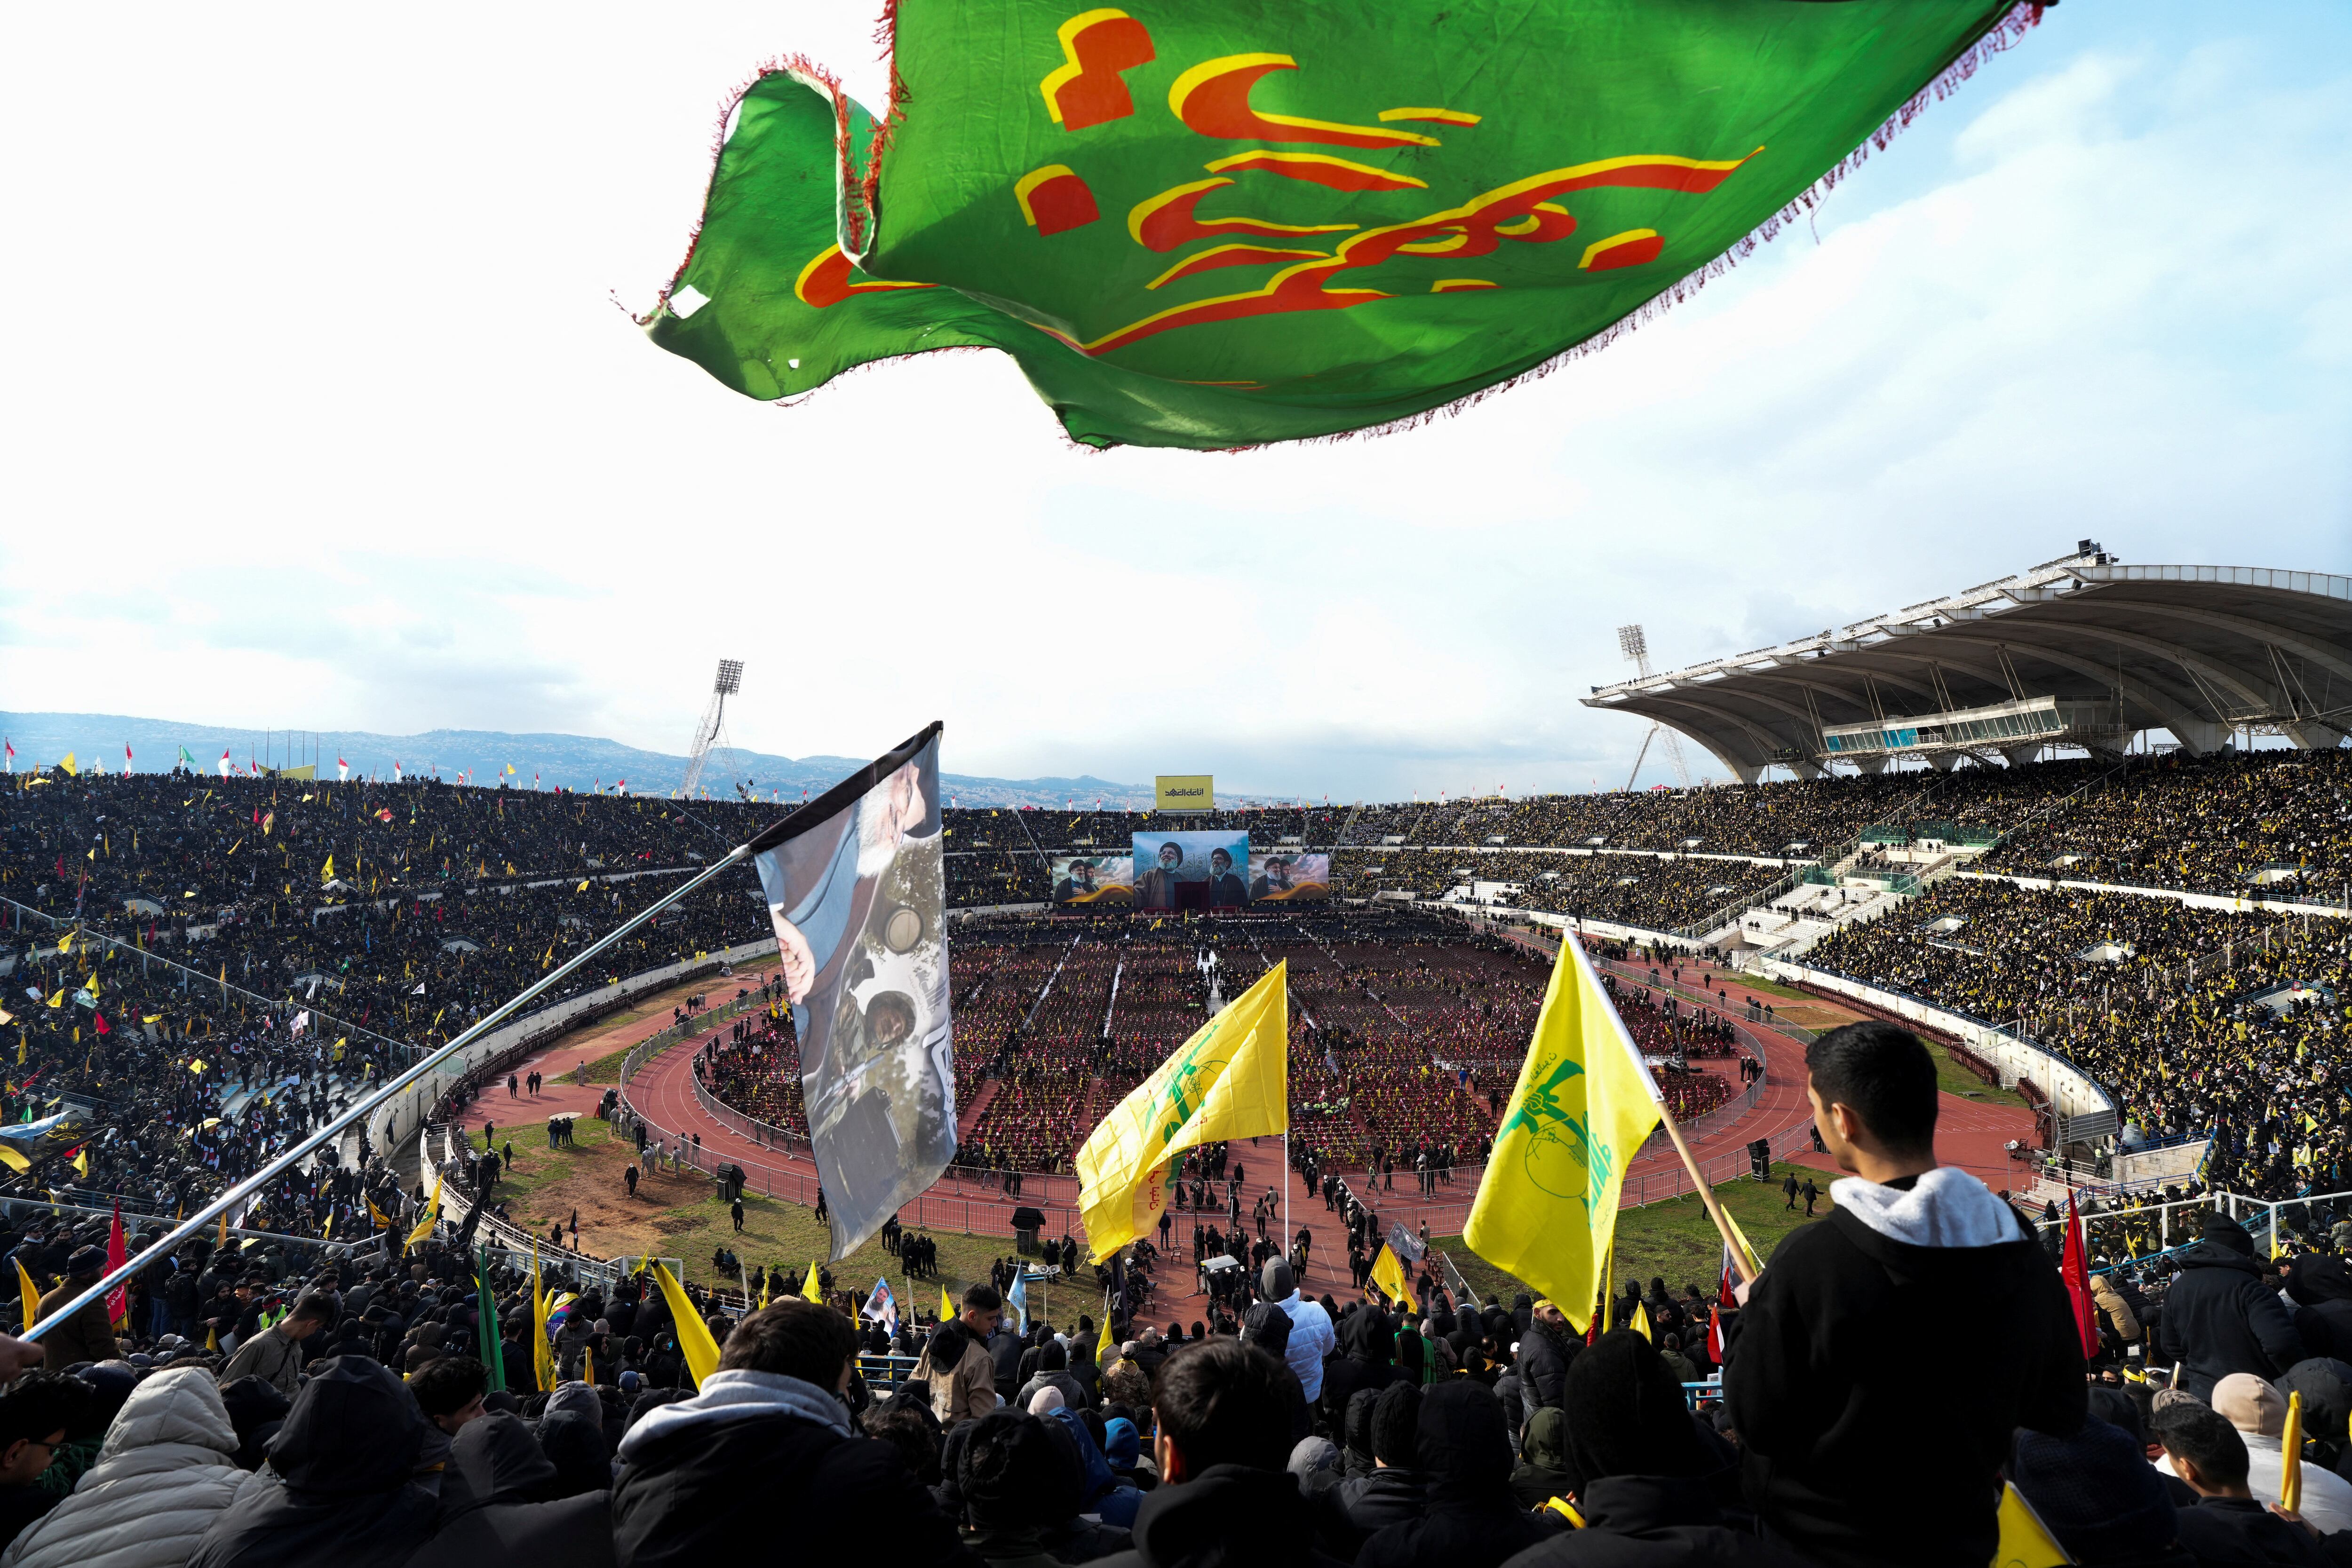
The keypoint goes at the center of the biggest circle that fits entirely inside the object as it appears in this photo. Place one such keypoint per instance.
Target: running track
(1970, 1134)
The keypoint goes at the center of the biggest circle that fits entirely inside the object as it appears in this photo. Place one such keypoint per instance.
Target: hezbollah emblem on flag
(1558, 1154)
(1224, 223)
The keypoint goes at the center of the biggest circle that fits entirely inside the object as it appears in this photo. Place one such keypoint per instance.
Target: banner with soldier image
(857, 888)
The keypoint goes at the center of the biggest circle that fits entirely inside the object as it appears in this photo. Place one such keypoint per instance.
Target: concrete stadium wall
(2223, 900)
(2073, 1092)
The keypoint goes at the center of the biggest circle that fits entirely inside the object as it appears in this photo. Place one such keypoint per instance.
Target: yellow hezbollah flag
(2291, 1447)
(1231, 1079)
(542, 1354)
(1103, 1346)
(67, 762)
(327, 872)
(1547, 1206)
(694, 1340)
(2025, 1541)
(809, 1290)
(947, 1305)
(1388, 1275)
(424, 1231)
(30, 1292)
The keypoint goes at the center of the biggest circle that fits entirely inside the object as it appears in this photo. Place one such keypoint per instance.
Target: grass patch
(1675, 1239)
(680, 1216)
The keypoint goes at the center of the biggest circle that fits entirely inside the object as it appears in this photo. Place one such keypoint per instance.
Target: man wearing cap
(88, 1335)
(1311, 1338)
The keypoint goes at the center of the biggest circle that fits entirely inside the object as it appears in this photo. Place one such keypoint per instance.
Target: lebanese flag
(117, 1300)
(12, 754)
(126, 759)
(223, 762)
(2073, 1265)
(1724, 1302)
(343, 771)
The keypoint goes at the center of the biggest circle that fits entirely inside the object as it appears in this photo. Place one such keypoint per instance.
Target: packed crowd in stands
(2203, 825)
(207, 967)
(2195, 1020)
(273, 1406)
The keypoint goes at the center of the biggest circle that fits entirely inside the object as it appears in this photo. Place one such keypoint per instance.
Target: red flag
(99, 1019)
(2075, 1267)
(117, 1300)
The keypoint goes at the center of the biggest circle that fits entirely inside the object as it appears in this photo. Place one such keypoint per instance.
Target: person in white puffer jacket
(166, 1470)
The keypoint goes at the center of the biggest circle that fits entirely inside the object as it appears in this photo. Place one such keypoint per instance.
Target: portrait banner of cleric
(857, 888)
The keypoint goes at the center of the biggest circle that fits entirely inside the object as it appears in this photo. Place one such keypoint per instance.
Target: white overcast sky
(319, 413)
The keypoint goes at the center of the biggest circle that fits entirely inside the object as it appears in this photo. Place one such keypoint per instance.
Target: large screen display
(1192, 871)
(1094, 879)
(1288, 874)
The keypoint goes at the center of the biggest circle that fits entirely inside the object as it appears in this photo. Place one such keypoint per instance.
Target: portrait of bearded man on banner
(857, 895)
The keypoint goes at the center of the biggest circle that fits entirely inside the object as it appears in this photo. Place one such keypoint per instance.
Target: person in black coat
(1226, 1501)
(1644, 1473)
(1545, 1351)
(1842, 1457)
(2321, 1289)
(705, 1480)
(348, 1455)
(1366, 1360)
(502, 1517)
(2226, 1526)
(1463, 1455)
(1393, 1493)
(2222, 1313)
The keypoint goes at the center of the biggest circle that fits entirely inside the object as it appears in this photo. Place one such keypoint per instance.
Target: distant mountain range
(573, 761)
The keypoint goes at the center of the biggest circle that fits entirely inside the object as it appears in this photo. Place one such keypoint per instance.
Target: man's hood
(948, 1343)
(354, 1430)
(728, 1397)
(179, 1405)
(2208, 1253)
(500, 1459)
(1366, 1335)
(2312, 1279)
(1945, 1207)
(1461, 1444)
(1195, 1524)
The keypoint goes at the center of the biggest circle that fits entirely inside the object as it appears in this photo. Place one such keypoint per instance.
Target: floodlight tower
(713, 723)
(1636, 649)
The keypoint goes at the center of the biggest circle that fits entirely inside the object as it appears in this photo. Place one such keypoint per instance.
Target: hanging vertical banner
(858, 889)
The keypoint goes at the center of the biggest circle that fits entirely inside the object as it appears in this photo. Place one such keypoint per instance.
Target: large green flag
(1224, 223)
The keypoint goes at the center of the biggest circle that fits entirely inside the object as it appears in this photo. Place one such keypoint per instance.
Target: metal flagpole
(287, 1161)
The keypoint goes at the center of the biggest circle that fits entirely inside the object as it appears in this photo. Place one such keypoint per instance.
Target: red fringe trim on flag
(2002, 35)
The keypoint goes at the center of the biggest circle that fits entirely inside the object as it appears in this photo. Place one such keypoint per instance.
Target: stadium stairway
(976, 1110)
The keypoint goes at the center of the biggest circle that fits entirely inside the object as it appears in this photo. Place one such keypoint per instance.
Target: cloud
(327, 417)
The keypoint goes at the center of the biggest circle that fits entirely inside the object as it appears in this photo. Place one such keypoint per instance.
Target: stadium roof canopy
(2082, 650)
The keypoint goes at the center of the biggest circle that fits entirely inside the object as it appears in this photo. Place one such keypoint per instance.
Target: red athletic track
(1970, 1134)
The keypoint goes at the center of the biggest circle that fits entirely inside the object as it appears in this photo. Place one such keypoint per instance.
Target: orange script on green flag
(1219, 224)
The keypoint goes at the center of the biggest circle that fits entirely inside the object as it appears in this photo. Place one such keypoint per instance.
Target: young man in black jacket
(1843, 1456)
(2227, 1526)
(1224, 1499)
(705, 1481)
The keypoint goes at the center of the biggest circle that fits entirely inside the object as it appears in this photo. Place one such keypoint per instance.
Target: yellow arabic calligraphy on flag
(1231, 1079)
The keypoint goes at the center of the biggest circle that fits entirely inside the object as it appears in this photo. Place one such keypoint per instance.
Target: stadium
(1904, 1118)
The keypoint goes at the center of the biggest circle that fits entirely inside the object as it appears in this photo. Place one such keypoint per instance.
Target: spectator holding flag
(1841, 1461)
